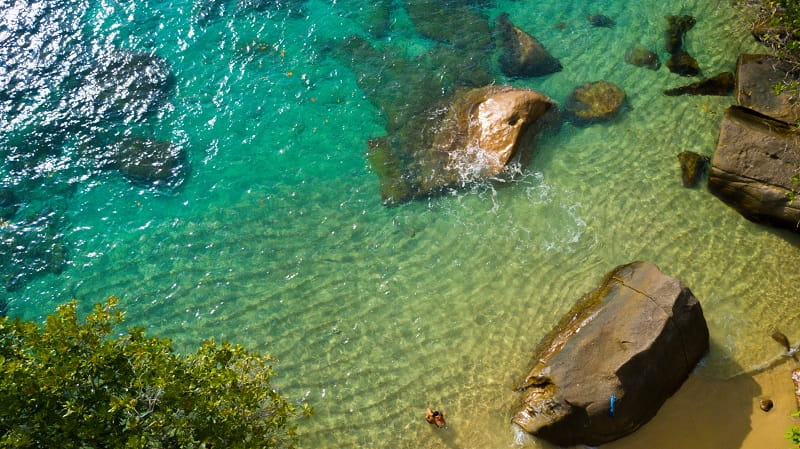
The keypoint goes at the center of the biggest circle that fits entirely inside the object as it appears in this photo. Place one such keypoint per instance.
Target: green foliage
(793, 434)
(72, 384)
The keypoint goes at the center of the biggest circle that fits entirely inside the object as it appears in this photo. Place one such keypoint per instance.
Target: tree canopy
(72, 384)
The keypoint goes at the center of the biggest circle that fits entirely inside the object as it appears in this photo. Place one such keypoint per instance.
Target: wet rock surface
(521, 55)
(613, 359)
(683, 64)
(756, 76)
(594, 102)
(642, 57)
(719, 85)
(693, 167)
(753, 166)
(476, 134)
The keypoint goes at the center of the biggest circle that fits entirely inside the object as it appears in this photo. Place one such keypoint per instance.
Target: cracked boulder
(753, 166)
(613, 359)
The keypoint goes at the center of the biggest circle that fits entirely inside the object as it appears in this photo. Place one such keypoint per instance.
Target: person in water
(435, 417)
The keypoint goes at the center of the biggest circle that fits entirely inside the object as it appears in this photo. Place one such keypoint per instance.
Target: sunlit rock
(614, 358)
(594, 102)
(476, 134)
(753, 167)
(756, 77)
(521, 55)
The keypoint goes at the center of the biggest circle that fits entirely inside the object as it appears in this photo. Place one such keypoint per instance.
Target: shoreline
(711, 413)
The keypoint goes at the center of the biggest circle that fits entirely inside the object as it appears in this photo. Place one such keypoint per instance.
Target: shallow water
(277, 238)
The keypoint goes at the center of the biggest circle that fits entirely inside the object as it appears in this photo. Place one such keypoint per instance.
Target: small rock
(601, 20)
(721, 85)
(145, 160)
(765, 404)
(693, 166)
(642, 57)
(683, 64)
(594, 102)
(521, 54)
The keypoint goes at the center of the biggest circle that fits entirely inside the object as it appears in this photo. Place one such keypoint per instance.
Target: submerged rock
(521, 55)
(756, 76)
(642, 57)
(753, 166)
(476, 134)
(377, 18)
(453, 22)
(683, 64)
(594, 102)
(145, 160)
(693, 166)
(9, 203)
(126, 85)
(31, 248)
(601, 20)
(613, 359)
(721, 85)
(677, 27)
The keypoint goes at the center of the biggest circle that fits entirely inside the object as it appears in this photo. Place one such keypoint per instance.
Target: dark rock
(126, 85)
(451, 22)
(521, 55)
(145, 160)
(766, 404)
(600, 20)
(756, 76)
(594, 102)
(677, 26)
(753, 166)
(629, 345)
(476, 134)
(683, 64)
(294, 8)
(721, 85)
(9, 203)
(642, 57)
(693, 166)
(31, 248)
(210, 10)
(377, 18)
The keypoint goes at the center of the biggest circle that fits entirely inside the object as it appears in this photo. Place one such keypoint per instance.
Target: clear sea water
(277, 238)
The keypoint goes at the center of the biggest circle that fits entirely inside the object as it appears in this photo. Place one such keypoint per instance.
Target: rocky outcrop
(474, 135)
(594, 102)
(693, 166)
(677, 27)
(642, 57)
(683, 64)
(680, 62)
(614, 358)
(601, 20)
(521, 55)
(756, 76)
(753, 166)
(720, 85)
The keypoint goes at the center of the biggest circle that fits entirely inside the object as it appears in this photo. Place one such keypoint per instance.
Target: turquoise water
(274, 235)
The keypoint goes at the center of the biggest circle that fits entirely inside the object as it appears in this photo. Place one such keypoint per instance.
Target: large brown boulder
(614, 358)
(756, 76)
(753, 166)
(521, 55)
(475, 135)
(594, 102)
